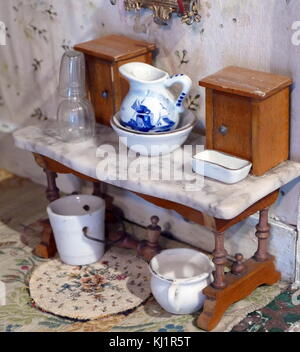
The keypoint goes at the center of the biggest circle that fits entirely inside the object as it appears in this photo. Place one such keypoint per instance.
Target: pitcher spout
(142, 73)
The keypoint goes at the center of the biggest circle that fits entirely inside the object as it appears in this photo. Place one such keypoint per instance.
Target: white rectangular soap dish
(221, 166)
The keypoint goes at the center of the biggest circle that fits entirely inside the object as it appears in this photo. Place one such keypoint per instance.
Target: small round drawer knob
(104, 94)
(223, 130)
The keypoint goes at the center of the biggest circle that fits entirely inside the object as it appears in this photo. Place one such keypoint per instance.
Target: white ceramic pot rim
(99, 209)
(186, 280)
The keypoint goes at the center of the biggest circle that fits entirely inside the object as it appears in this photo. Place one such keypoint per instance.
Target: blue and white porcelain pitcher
(149, 104)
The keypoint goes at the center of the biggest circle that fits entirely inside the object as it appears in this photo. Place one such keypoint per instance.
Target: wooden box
(104, 56)
(247, 115)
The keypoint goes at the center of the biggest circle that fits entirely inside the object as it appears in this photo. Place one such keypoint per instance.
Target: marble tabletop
(96, 158)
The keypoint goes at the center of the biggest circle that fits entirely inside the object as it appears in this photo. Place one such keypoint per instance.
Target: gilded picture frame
(188, 10)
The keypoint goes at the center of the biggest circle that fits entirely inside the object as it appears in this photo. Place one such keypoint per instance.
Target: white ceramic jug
(149, 104)
(178, 279)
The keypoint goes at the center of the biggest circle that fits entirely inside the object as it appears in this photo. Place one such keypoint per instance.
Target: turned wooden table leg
(263, 234)
(52, 192)
(149, 248)
(243, 279)
(97, 190)
(113, 214)
(47, 247)
(219, 259)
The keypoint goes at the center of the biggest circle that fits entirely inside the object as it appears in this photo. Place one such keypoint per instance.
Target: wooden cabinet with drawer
(247, 115)
(104, 56)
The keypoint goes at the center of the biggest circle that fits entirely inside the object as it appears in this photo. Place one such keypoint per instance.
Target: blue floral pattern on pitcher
(150, 105)
(143, 117)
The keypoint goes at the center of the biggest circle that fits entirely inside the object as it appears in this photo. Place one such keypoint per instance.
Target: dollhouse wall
(261, 35)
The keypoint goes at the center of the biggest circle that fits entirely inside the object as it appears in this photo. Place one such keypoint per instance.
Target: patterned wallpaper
(38, 32)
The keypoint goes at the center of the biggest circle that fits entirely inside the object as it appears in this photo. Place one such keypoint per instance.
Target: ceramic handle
(172, 294)
(85, 231)
(186, 84)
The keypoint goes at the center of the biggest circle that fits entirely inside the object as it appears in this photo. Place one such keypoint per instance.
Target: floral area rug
(22, 203)
(282, 314)
(118, 283)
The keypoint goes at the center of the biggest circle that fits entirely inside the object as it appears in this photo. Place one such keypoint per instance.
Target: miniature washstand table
(214, 205)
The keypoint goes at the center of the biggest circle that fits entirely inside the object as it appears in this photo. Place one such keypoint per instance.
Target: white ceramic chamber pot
(69, 217)
(149, 104)
(178, 279)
